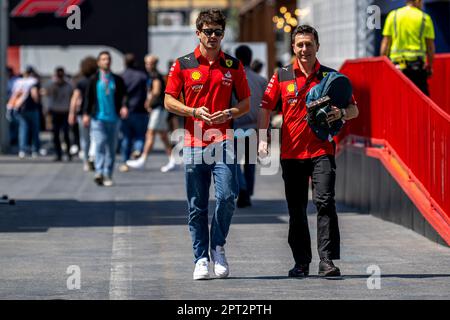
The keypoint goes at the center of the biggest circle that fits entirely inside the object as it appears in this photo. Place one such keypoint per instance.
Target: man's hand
(220, 117)
(202, 113)
(263, 148)
(334, 114)
(86, 120)
(72, 118)
(124, 112)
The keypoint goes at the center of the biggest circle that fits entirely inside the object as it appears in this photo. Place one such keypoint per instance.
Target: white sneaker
(201, 271)
(221, 268)
(73, 149)
(108, 182)
(169, 167)
(136, 164)
(43, 152)
(22, 155)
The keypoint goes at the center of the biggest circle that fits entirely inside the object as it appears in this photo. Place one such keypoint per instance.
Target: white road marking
(120, 284)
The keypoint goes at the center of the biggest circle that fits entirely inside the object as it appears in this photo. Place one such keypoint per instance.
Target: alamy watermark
(74, 280)
(374, 281)
(374, 18)
(73, 22)
(233, 150)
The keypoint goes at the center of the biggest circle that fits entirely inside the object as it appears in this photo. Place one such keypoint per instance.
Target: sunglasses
(210, 32)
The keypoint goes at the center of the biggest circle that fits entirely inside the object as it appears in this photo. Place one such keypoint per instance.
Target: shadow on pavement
(345, 277)
(40, 215)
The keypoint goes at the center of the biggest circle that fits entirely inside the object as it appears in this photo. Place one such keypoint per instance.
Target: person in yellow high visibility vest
(408, 40)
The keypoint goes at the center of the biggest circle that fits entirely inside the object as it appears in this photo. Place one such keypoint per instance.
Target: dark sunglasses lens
(209, 32)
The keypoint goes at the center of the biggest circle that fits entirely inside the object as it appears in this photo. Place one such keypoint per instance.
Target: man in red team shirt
(303, 155)
(207, 78)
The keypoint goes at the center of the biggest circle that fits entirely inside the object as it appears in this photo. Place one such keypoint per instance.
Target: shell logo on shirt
(196, 75)
(290, 88)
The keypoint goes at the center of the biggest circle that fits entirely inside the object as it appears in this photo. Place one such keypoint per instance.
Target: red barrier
(440, 82)
(417, 130)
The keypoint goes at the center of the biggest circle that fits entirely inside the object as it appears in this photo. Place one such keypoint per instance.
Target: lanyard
(105, 80)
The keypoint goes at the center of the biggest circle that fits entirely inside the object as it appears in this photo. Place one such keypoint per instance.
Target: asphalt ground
(67, 238)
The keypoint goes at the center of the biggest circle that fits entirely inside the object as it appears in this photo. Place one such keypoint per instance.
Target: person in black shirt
(134, 127)
(158, 122)
(88, 67)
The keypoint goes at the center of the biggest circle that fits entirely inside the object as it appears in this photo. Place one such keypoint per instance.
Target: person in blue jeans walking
(105, 103)
(134, 126)
(207, 77)
(25, 102)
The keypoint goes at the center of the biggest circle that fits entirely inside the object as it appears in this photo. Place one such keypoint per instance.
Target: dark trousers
(60, 122)
(296, 174)
(419, 77)
(246, 175)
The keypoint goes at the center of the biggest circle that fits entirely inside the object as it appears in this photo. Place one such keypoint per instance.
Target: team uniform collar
(296, 67)
(199, 56)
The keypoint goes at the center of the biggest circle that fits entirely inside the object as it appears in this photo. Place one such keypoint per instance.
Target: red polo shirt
(210, 85)
(298, 141)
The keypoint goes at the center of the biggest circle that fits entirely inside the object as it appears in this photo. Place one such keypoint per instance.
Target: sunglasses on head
(210, 32)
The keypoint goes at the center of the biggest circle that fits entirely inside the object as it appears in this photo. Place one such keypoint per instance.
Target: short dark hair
(244, 54)
(305, 29)
(59, 70)
(102, 53)
(210, 16)
(256, 66)
(130, 60)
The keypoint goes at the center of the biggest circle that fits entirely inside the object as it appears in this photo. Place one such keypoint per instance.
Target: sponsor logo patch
(290, 88)
(196, 75)
(292, 102)
(197, 88)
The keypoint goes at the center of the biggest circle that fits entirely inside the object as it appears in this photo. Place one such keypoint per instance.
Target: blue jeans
(29, 121)
(198, 180)
(105, 136)
(133, 130)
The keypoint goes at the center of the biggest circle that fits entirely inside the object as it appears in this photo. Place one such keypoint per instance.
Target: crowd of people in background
(99, 114)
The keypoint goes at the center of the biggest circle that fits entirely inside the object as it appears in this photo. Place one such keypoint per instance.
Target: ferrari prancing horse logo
(229, 63)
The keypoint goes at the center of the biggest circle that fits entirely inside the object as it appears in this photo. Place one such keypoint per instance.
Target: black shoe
(91, 165)
(299, 271)
(243, 199)
(57, 159)
(328, 269)
(98, 179)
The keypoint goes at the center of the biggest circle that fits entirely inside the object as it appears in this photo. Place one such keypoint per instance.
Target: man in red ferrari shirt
(207, 78)
(304, 155)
